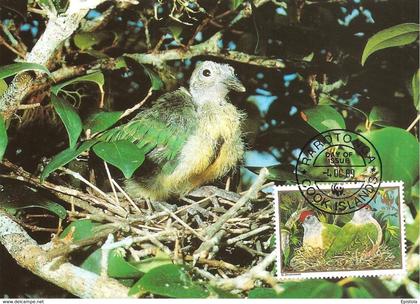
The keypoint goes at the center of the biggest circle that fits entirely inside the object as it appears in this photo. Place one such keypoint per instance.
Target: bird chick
(191, 137)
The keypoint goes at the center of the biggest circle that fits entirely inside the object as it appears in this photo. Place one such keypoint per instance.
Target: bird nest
(313, 259)
(225, 237)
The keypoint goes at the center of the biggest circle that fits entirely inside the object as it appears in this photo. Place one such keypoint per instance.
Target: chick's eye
(206, 73)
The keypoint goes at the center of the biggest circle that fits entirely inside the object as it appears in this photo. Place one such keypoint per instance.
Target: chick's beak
(234, 84)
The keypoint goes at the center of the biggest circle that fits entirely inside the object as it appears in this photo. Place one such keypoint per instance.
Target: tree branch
(75, 280)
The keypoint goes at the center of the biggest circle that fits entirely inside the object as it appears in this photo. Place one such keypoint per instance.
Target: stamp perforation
(343, 273)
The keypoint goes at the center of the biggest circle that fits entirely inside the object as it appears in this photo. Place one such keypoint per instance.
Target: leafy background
(323, 85)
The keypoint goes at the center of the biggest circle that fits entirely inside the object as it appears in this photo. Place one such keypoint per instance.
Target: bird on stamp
(191, 136)
(315, 233)
(362, 234)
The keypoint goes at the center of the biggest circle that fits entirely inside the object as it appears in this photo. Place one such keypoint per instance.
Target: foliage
(323, 86)
(398, 35)
(123, 154)
(16, 68)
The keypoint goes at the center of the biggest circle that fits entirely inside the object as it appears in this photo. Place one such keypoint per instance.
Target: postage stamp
(312, 243)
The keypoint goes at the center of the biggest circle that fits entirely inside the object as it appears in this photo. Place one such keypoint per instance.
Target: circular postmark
(339, 171)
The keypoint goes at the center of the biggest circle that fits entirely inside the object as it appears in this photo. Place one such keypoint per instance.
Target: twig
(113, 206)
(72, 196)
(138, 105)
(248, 234)
(415, 121)
(213, 263)
(146, 30)
(175, 217)
(126, 196)
(11, 48)
(209, 245)
(28, 106)
(110, 179)
(250, 250)
(66, 249)
(246, 281)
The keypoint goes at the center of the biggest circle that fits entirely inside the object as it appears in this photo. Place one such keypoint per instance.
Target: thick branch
(76, 280)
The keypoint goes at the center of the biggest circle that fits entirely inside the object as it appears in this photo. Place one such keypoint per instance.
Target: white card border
(340, 274)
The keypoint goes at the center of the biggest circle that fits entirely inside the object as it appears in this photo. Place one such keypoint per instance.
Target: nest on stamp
(314, 260)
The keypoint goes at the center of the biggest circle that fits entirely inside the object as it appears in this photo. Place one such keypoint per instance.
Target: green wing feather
(366, 236)
(162, 130)
(354, 237)
(345, 237)
(329, 234)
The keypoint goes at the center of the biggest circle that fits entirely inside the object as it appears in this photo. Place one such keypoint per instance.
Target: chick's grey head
(211, 82)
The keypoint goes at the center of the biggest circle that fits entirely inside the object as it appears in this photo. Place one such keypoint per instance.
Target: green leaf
(61, 5)
(93, 262)
(170, 281)
(127, 282)
(87, 40)
(96, 77)
(120, 63)
(16, 195)
(47, 5)
(415, 83)
(358, 292)
(51, 206)
(145, 265)
(176, 31)
(311, 289)
(220, 293)
(381, 115)
(3, 86)
(399, 152)
(157, 83)
(309, 57)
(82, 229)
(234, 4)
(323, 118)
(122, 154)
(15, 68)
(118, 267)
(397, 35)
(101, 121)
(64, 157)
(69, 117)
(263, 293)
(3, 137)
(374, 286)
